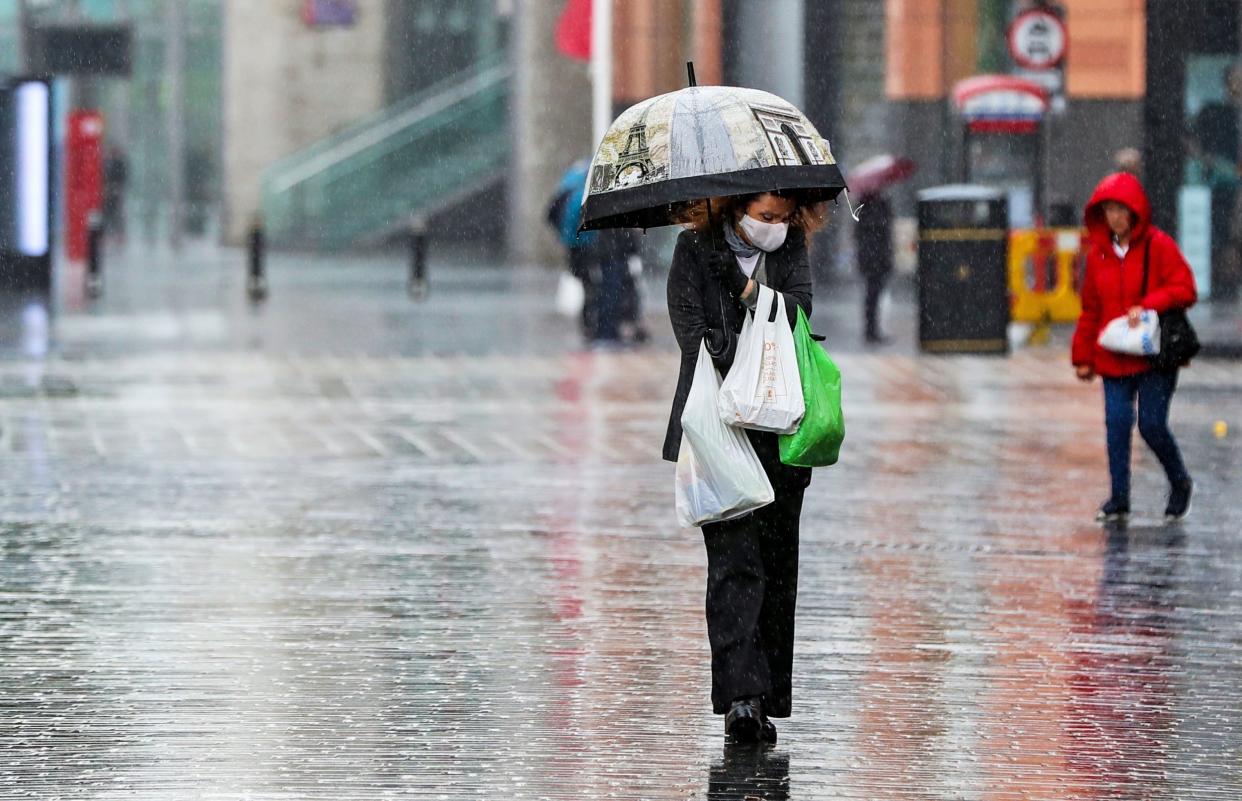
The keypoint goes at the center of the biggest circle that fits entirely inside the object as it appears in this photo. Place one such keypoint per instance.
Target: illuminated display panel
(25, 131)
(32, 104)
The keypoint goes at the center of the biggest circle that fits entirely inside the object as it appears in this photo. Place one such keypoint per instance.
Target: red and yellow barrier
(1043, 272)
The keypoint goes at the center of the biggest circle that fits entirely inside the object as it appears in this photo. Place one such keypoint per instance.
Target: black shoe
(877, 339)
(1113, 511)
(1179, 501)
(767, 731)
(744, 721)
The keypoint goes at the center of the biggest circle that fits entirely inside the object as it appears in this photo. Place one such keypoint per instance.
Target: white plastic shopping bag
(1142, 340)
(762, 390)
(719, 475)
(570, 295)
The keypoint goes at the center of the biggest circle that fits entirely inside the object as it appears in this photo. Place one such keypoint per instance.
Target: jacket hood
(1123, 188)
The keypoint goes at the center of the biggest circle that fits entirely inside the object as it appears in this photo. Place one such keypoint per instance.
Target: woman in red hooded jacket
(1118, 219)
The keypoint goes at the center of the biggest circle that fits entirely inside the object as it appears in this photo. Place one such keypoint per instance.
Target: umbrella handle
(711, 227)
(850, 205)
(711, 231)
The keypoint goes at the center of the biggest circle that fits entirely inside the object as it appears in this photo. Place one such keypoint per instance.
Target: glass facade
(137, 108)
(9, 53)
(1213, 108)
(427, 41)
(430, 40)
(140, 112)
(1193, 157)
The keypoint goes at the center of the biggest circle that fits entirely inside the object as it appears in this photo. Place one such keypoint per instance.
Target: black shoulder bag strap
(1146, 264)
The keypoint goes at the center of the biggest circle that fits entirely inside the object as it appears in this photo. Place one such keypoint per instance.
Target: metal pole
(175, 66)
(601, 68)
(94, 255)
(418, 286)
(256, 280)
(1043, 193)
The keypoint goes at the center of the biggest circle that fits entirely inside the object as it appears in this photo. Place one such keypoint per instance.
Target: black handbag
(1178, 341)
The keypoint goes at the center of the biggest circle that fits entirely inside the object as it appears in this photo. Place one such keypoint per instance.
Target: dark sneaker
(1113, 511)
(744, 722)
(1179, 502)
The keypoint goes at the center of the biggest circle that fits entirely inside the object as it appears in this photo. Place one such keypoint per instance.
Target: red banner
(573, 30)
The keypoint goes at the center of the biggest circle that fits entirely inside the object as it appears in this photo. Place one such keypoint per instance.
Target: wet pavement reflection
(266, 568)
(747, 772)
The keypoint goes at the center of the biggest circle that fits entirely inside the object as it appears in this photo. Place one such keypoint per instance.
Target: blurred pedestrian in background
(608, 263)
(564, 214)
(752, 561)
(1123, 245)
(873, 231)
(116, 176)
(1129, 159)
(198, 191)
(873, 243)
(614, 288)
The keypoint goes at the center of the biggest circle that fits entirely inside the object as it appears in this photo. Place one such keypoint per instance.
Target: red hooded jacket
(1112, 285)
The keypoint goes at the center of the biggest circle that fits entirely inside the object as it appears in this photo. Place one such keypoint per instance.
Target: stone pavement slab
(241, 559)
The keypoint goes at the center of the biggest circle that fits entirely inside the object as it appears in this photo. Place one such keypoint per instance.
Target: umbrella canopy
(700, 142)
(878, 173)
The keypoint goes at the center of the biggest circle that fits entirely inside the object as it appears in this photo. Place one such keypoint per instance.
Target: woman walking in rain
(752, 579)
(663, 155)
(1124, 245)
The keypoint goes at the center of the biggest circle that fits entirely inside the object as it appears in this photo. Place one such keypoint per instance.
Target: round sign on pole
(1037, 40)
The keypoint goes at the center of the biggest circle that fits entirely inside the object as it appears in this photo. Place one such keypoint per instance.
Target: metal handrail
(369, 133)
(376, 117)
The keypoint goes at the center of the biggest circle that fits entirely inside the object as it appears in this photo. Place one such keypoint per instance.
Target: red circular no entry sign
(1037, 40)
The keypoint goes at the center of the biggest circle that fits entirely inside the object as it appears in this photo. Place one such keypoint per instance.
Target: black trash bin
(963, 286)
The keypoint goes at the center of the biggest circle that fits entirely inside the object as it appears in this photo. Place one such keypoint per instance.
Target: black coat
(873, 239)
(698, 307)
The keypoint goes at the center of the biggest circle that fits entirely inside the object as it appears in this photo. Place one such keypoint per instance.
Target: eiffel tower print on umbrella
(700, 142)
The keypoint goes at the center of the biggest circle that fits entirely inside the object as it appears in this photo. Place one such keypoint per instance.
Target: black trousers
(874, 284)
(752, 593)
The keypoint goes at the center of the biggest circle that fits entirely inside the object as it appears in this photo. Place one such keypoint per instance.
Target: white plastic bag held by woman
(762, 390)
(1141, 340)
(719, 476)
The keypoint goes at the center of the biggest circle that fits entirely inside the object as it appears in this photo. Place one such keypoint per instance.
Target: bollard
(417, 286)
(94, 255)
(256, 281)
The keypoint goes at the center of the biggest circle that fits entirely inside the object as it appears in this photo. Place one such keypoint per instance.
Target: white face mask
(765, 236)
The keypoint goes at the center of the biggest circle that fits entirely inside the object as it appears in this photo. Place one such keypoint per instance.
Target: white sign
(1052, 80)
(1037, 40)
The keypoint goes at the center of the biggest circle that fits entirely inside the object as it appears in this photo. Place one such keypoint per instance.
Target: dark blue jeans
(1154, 392)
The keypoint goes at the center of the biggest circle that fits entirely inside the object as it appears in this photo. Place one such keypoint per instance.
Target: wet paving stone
(270, 574)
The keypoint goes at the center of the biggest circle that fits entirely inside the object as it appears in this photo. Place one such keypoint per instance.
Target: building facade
(1152, 76)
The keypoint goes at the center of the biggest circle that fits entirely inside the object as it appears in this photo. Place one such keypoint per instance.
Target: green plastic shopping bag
(817, 442)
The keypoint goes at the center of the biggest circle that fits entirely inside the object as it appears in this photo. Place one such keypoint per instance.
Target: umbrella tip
(690, 73)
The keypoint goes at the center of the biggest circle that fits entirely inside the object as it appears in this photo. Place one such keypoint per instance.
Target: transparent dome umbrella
(702, 142)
